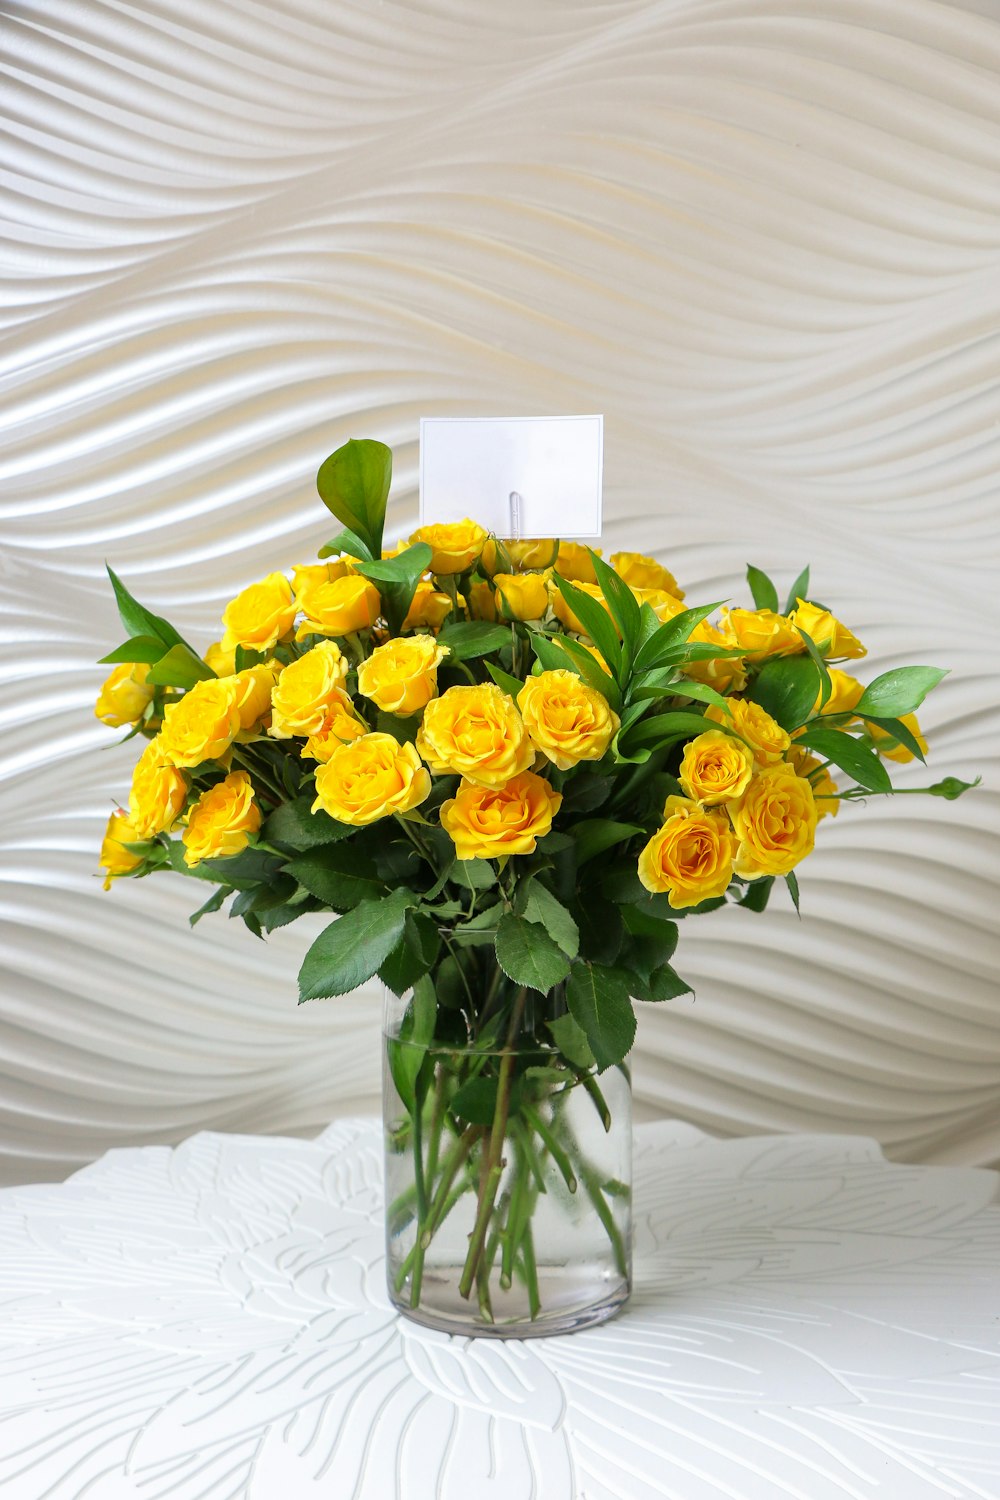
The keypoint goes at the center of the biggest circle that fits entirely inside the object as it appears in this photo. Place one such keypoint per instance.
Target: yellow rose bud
(715, 768)
(260, 616)
(727, 674)
(574, 562)
(523, 555)
(565, 615)
(429, 608)
(690, 857)
(124, 695)
(475, 732)
(340, 727)
(766, 738)
(845, 692)
(369, 779)
(521, 596)
(664, 606)
(567, 720)
(760, 633)
(221, 821)
(401, 676)
(641, 572)
(158, 793)
(339, 607)
(889, 747)
(488, 822)
(254, 687)
(482, 605)
(455, 544)
(201, 725)
(306, 690)
(114, 859)
(824, 788)
(307, 577)
(829, 636)
(221, 659)
(775, 822)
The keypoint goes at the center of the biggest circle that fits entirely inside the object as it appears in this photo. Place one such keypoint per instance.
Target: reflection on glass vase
(507, 1177)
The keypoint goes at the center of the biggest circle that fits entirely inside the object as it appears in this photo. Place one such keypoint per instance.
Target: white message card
(517, 476)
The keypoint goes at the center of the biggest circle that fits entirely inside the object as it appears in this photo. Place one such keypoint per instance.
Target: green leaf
(596, 623)
(346, 541)
(213, 903)
(665, 984)
(600, 1003)
(354, 947)
(340, 877)
(798, 590)
(476, 1101)
(474, 874)
(413, 956)
(846, 752)
(757, 894)
(295, 826)
(602, 931)
(649, 624)
(406, 1052)
(397, 578)
(561, 654)
(787, 687)
(179, 667)
(511, 685)
(571, 1039)
(765, 595)
(662, 728)
(792, 882)
(653, 940)
(952, 787)
(353, 483)
(138, 621)
(141, 648)
(826, 683)
(900, 732)
(703, 694)
(898, 692)
(623, 604)
(594, 835)
(539, 905)
(468, 638)
(674, 633)
(528, 955)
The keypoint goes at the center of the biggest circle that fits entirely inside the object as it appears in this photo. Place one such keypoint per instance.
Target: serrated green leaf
(294, 825)
(541, 906)
(354, 483)
(413, 956)
(354, 947)
(665, 984)
(338, 875)
(528, 955)
(213, 903)
(571, 1039)
(898, 692)
(765, 595)
(600, 1002)
(846, 752)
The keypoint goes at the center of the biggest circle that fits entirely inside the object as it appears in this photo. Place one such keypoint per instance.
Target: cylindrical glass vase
(508, 1185)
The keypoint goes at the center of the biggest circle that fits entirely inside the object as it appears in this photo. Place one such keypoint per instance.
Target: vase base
(564, 1310)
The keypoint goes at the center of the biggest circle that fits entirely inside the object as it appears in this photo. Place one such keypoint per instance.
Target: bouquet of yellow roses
(508, 768)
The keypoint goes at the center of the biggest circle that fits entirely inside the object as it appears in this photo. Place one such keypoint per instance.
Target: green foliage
(466, 639)
(899, 732)
(850, 755)
(571, 1039)
(594, 835)
(354, 947)
(354, 483)
(294, 826)
(537, 904)
(179, 667)
(528, 955)
(155, 642)
(898, 692)
(476, 1100)
(346, 541)
(406, 1053)
(511, 685)
(396, 579)
(792, 882)
(672, 635)
(952, 787)
(757, 894)
(141, 648)
(338, 874)
(798, 590)
(786, 687)
(563, 654)
(765, 595)
(413, 956)
(600, 1002)
(596, 622)
(621, 602)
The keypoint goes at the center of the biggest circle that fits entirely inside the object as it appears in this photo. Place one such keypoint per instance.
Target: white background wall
(763, 238)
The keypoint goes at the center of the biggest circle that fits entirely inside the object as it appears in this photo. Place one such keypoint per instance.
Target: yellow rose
(124, 695)
(775, 822)
(430, 607)
(114, 859)
(401, 676)
(830, 637)
(455, 544)
(482, 604)
(340, 727)
(221, 821)
(727, 674)
(338, 606)
(306, 691)
(574, 562)
(845, 692)
(369, 779)
(690, 856)
(307, 577)
(760, 633)
(824, 788)
(715, 768)
(889, 747)
(524, 555)
(664, 606)
(766, 738)
(521, 596)
(475, 732)
(260, 616)
(254, 687)
(641, 572)
(565, 615)
(203, 724)
(158, 793)
(222, 659)
(488, 822)
(567, 720)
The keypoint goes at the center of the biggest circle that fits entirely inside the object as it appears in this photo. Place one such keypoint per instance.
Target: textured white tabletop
(210, 1323)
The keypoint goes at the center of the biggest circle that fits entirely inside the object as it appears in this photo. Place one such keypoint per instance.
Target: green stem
(596, 1196)
(559, 1156)
(530, 1271)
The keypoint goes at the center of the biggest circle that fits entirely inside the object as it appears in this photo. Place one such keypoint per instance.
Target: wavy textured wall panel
(763, 239)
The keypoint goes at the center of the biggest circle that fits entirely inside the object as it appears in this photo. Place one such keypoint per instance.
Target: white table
(210, 1323)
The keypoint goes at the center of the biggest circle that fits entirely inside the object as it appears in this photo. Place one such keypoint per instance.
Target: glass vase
(507, 1182)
